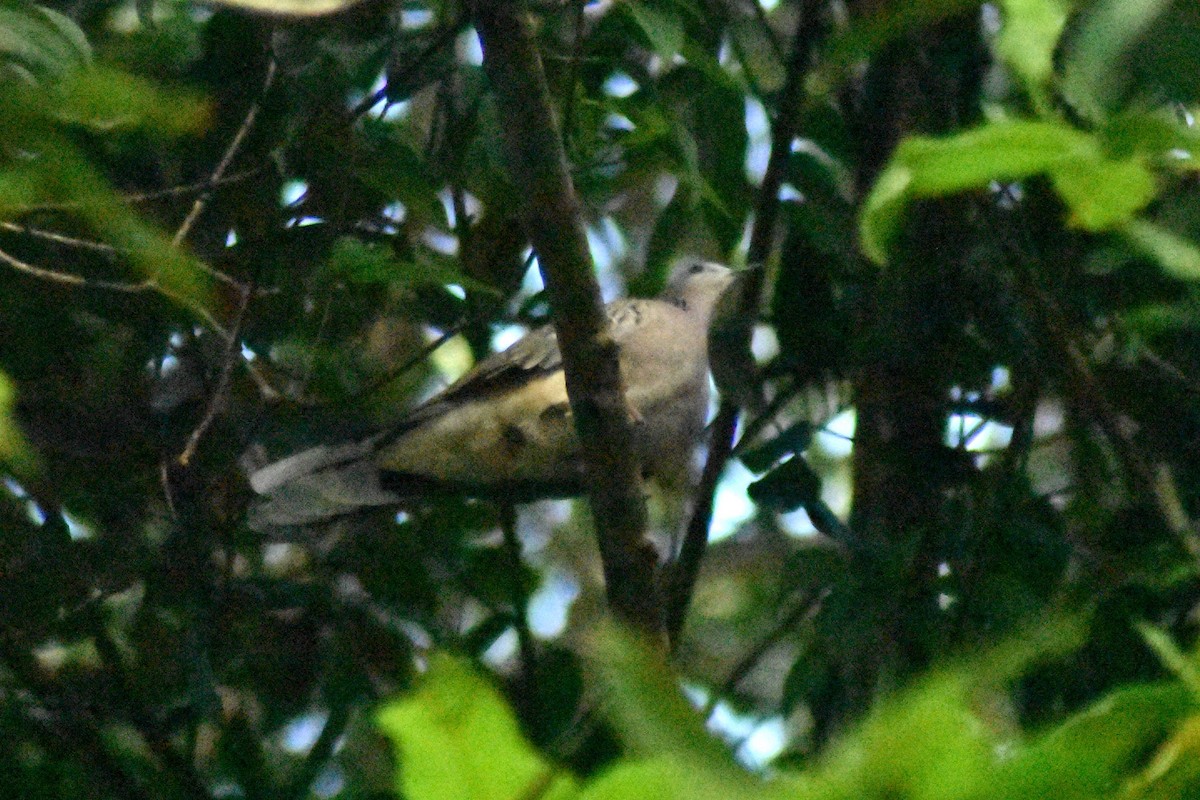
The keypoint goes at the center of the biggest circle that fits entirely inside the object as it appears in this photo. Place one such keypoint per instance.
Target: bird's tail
(318, 484)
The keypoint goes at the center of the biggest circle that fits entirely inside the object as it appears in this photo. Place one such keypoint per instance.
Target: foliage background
(957, 553)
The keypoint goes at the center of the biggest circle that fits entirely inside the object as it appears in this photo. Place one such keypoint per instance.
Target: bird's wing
(534, 355)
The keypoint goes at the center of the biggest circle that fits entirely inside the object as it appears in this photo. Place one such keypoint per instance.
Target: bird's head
(696, 285)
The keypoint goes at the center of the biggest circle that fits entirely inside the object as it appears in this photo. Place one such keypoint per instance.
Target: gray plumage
(505, 428)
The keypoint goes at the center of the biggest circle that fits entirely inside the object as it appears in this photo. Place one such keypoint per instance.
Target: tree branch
(554, 222)
(766, 211)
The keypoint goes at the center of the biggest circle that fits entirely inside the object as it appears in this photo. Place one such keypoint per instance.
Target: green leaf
(672, 225)
(38, 43)
(1104, 194)
(361, 262)
(644, 702)
(1095, 59)
(668, 778)
(794, 439)
(13, 448)
(1179, 257)
(787, 487)
(458, 740)
(999, 151)
(107, 99)
(1027, 42)
(662, 28)
(928, 745)
(1158, 135)
(1089, 754)
(1172, 657)
(392, 166)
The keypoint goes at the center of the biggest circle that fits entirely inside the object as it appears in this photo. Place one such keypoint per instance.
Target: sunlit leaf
(928, 744)
(1028, 40)
(290, 8)
(1104, 194)
(1177, 255)
(1086, 756)
(458, 740)
(668, 778)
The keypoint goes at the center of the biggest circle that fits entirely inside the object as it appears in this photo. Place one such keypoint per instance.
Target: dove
(504, 430)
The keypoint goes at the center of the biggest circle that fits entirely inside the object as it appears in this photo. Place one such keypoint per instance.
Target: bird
(505, 430)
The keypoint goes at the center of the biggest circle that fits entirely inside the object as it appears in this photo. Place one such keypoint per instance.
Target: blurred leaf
(390, 165)
(1183, 667)
(661, 27)
(928, 744)
(13, 448)
(793, 439)
(39, 43)
(871, 33)
(1158, 134)
(1005, 151)
(1174, 772)
(1104, 194)
(457, 739)
(757, 54)
(1028, 39)
(730, 358)
(1087, 756)
(290, 8)
(1095, 76)
(787, 487)
(670, 229)
(1167, 62)
(668, 778)
(362, 262)
(1178, 256)
(106, 99)
(643, 701)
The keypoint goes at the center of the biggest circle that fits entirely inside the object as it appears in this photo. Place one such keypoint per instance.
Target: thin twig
(442, 39)
(112, 251)
(67, 279)
(682, 576)
(146, 197)
(804, 612)
(423, 354)
(233, 354)
(231, 152)
(58, 238)
(568, 106)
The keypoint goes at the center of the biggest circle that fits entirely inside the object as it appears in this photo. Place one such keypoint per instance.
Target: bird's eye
(696, 269)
